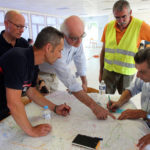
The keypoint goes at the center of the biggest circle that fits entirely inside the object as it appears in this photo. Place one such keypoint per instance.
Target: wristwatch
(148, 116)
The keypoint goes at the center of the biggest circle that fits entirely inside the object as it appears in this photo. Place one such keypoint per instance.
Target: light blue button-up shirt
(62, 69)
(144, 87)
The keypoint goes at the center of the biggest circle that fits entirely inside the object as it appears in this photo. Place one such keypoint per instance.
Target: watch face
(148, 116)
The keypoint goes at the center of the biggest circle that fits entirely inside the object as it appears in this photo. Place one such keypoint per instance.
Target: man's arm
(84, 83)
(133, 114)
(102, 54)
(39, 99)
(17, 110)
(99, 111)
(124, 98)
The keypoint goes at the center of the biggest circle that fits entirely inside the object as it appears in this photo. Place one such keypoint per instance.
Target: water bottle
(102, 88)
(46, 113)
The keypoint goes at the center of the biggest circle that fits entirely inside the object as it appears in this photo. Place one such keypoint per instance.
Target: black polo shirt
(17, 72)
(5, 46)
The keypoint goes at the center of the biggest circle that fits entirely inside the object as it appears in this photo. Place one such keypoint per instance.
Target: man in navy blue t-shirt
(14, 27)
(18, 72)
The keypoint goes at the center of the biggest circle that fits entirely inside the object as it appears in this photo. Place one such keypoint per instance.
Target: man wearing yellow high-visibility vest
(121, 39)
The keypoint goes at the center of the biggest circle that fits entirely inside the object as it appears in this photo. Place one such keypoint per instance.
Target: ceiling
(72, 7)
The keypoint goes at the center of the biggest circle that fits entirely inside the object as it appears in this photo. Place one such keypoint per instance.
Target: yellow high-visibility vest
(120, 58)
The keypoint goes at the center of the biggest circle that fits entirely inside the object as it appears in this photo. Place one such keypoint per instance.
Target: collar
(66, 45)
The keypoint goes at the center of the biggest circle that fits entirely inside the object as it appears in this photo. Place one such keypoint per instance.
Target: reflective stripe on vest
(120, 63)
(120, 57)
(124, 52)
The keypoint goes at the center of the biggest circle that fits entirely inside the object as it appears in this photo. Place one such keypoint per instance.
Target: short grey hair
(142, 56)
(120, 4)
(64, 29)
(48, 35)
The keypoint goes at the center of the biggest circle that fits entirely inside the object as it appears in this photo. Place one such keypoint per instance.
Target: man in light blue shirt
(62, 70)
(141, 84)
(73, 29)
(73, 51)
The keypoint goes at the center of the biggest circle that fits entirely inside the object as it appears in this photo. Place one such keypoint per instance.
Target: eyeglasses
(18, 26)
(75, 39)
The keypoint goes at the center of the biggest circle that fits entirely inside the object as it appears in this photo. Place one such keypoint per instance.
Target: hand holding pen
(112, 105)
(63, 109)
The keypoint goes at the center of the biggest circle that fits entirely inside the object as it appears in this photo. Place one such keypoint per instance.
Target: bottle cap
(102, 81)
(45, 107)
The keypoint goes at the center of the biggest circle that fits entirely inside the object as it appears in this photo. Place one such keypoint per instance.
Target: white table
(117, 135)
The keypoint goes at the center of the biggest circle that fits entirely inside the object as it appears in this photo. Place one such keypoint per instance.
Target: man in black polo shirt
(11, 37)
(14, 27)
(17, 72)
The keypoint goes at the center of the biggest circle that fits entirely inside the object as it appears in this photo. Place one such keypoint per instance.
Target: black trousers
(4, 111)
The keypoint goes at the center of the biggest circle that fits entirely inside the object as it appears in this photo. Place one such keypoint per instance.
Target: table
(117, 135)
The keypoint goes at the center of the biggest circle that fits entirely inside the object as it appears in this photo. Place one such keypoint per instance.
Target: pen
(100, 139)
(65, 109)
(109, 100)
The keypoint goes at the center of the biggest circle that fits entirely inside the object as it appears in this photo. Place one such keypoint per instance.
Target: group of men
(118, 59)
(54, 50)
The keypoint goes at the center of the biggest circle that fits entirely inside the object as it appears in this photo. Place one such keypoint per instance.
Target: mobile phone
(87, 142)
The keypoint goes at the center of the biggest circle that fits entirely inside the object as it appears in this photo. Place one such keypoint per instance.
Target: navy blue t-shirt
(18, 68)
(5, 46)
(17, 71)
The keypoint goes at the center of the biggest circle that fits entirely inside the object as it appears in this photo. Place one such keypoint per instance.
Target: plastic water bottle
(46, 113)
(102, 87)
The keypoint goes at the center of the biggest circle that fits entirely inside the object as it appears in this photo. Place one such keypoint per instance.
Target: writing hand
(63, 109)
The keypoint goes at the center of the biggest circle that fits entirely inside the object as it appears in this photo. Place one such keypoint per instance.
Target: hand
(112, 106)
(63, 109)
(102, 113)
(131, 114)
(40, 130)
(145, 140)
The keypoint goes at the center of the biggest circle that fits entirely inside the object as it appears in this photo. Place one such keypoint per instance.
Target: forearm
(17, 109)
(126, 95)
(84, 98)
(83, 79)
(18, 113)
(102, 54)
(39, 99)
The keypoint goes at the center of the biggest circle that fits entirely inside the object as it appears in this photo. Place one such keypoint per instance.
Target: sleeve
(144, 32)
(80, 62)
(63, 72)
(136, 87)
(14, 72)
(36, 71)
(103, 36)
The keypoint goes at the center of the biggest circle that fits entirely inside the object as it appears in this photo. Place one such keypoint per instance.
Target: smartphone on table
(88, 142)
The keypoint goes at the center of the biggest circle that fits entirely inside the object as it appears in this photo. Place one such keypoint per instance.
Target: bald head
(12, 14)
(73, 29)
(72, 25)
(14, 24)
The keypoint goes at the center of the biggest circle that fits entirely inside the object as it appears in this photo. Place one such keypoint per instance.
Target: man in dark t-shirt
(18, 73)
(10, 37)
(14, 27)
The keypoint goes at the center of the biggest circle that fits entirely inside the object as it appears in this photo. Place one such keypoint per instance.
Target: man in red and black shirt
(18, 73)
